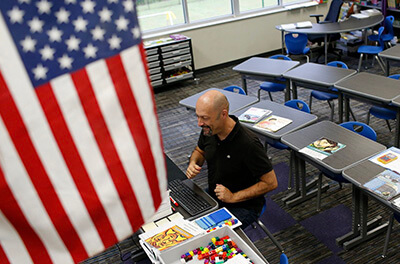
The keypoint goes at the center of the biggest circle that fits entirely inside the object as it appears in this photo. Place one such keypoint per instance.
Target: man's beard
(205, 133)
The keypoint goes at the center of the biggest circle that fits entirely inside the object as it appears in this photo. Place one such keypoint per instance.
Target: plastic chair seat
(366, 49)
(382, 113)
(279, 145)
(324, 96)
(272, 87)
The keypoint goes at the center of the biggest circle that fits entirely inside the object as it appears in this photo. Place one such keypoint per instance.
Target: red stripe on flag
(107, 147)
(33, 165)
(10, 208)
(75, 164)
(3, 257)
(135, 123)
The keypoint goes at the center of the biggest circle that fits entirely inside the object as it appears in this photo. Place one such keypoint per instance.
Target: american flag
(81, 156)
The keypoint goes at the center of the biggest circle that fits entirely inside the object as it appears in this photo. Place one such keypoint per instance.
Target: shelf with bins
(170, 61)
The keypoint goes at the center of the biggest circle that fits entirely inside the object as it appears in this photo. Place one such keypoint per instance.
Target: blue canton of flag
(56, 37)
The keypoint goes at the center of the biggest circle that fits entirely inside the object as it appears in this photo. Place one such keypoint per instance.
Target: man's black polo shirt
(237, 162)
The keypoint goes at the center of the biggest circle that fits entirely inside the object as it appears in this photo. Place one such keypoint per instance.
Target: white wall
(227, 42)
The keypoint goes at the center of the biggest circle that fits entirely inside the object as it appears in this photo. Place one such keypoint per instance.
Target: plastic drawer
(156, 83)
(153, 64)
(177, 65)
(175, 53)
(175, 46)
(179, 77)
(150, 52)
(154, 70)
(155, 76)
(177, 59)
(152, 58)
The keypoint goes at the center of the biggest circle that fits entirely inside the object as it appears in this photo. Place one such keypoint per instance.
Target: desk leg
(288, 90)
(244, 84)
(326, 48)
(362, 230)
(340, 103)
(346, 108)
(396, 137)
(283, 41)
(387, 68)
(294, 89)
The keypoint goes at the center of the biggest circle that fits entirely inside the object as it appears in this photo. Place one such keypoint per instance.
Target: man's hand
(192, 170)
(224, 194)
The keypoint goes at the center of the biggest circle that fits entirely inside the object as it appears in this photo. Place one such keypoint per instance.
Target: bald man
(239, 171)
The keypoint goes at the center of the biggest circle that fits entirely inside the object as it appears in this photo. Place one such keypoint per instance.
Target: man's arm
(196, 161)
(267, 183)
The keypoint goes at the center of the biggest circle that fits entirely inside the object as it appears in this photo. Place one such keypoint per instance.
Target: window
(157, 15)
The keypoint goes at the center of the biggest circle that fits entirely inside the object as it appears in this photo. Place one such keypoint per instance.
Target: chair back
(299, 105)
(235, 89)
(283, 259)
(334, 11)
(380, 40)
(395, 76)
(296, 43)
(360, 128)
(338, 64)
(389, 26)
(280, 57)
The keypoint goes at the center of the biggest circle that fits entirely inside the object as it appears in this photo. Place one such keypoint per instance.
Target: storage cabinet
(169, 61)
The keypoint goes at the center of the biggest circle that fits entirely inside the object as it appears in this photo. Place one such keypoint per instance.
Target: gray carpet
(303, 240)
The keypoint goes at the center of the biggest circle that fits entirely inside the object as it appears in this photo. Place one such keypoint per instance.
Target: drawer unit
(170, 62)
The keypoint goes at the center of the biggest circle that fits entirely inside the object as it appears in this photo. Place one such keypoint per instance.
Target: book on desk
(254, 114)
(273, 123)
(298, 25)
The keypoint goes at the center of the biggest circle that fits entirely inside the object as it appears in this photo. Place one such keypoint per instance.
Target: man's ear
(224, 113)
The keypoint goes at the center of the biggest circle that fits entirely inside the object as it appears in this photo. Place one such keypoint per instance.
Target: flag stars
(16, 15)
(90, 51)
(128, 6)
(28, 44)
(80, 24)
(98, 33)
(88, 6)
(73, 43)
(40, 72)
(36, 25)
(44, 7)
(115, 42)
(55, 34)
(105, 15)
(136, 32)
(62, 15)
(65, 62)
(122, 23)
(47, 53)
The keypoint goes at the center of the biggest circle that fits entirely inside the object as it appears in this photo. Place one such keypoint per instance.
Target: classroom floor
(306, 235)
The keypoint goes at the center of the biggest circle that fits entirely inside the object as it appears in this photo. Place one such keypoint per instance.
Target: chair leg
(319, 191)
(310, 101)
(258, 94)
(360, 62)
(270, 96)
(269, 234)
(381, 63)
(389, 231)
(388, 124)
(352, 114)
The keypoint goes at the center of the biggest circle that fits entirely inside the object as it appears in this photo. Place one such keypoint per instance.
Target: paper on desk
(389, 159)
(288, 26)
(304, 24)
(312, 153)
(359, 16)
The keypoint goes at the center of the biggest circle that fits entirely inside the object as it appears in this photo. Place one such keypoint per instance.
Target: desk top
(372, 86)
(236, 101)
(392, 53)
(396, 101)
(357, 147)
(300, 119)
(265, 66)
(337, 27)
(318, 74)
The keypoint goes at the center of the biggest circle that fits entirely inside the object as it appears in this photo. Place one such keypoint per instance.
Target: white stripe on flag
(28, 199)
(120, 133)
(131, 59)
(88, 150)
(12, 243)
(40, 133)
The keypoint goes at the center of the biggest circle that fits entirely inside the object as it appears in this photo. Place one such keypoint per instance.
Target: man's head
(212, 109)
